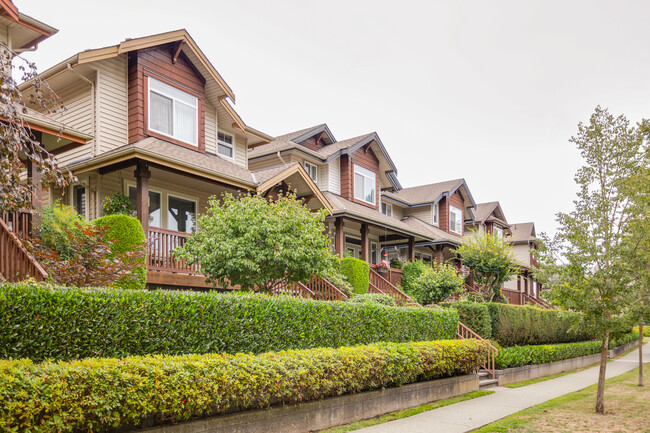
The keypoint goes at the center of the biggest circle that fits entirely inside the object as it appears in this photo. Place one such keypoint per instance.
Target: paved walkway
(472, 414)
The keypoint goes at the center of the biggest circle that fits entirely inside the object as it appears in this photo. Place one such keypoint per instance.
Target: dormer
(489, 218)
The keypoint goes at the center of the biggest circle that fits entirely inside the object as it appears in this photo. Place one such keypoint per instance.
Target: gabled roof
(25, 31)
(289, 141)
(489, 211)
(522, 233)
(429, 194)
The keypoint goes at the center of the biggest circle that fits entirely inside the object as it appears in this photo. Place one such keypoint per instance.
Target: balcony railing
(160, 252)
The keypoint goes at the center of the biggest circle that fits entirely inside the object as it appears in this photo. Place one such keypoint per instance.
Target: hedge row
(40, 322)
(517, 325)
(517, 356)
(474, 315)
(93, 394)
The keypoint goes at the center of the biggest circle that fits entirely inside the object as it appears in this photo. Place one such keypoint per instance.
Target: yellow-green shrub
(94, 394)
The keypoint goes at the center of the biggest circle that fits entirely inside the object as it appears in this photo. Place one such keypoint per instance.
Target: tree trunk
(640, 353)
(600, 401)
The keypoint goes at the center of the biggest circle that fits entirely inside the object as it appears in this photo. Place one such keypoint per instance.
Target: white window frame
(368, 175)
(72, 198)
(374, 246)
(389, 209)
(164, 202)
(151, 80)
(186, 198)
(497, 229)
(308, 167)
(435, 211)
(226, 144)
(453, 209)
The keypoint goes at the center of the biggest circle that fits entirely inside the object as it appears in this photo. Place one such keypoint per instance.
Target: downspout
(92, 104)
(280, 156)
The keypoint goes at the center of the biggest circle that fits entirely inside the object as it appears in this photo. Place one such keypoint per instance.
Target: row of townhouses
(153, 119)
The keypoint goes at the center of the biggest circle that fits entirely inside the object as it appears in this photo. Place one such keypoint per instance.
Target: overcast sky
(489, 91)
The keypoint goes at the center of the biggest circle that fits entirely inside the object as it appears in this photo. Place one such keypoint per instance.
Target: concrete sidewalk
(475, 413)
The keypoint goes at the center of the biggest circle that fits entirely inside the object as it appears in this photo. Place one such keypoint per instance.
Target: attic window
(173, 112)
(312, 171)
(364, 184)
(387, 209)
(225, 145)
(455, 220)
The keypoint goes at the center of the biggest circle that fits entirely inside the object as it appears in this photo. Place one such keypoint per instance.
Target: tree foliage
(434, 285)
(18, 146)
(257, 244)
(591, 239)
(490, 261)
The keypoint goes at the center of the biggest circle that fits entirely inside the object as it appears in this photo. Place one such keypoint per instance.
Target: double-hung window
(225, 145)
(173, 112)
(455, 220)
(364, 184)
(312, 171)
(387, 209)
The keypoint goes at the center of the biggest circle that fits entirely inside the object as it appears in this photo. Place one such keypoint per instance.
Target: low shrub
(475, 316)
(57, 220)
(357, 272)
(127, 235)
(516, 356)
(412, 271)
(434, 285)
(40, 322)
(518, 325)
(91, 394)
(620, 340)
(374, 298)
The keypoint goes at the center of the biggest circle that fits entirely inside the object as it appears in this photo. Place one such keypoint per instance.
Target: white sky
(486, 90)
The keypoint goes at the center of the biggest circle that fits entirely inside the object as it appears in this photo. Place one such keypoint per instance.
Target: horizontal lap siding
(224, 122)
(334, 176)
(77, 100)
(112, 90)
(364, 159)
(422, 212)
(210, 128)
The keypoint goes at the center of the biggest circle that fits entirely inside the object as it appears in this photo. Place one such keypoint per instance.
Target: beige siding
(334, 176)
(522, 253)
(398, 212)
(112, 104)
(323, 177)
(241, 151)
(210, 128)
(264, 163)
(422, 212)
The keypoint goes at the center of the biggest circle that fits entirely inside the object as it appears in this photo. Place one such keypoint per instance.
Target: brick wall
(157, 63)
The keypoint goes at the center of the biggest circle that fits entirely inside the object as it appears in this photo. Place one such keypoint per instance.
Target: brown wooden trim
(364, 242)
(142, 175)
(66, 148)
(157, 76)
(176, 50)
(118, 166)
(181, 280)
(192, 67)
(339, 236)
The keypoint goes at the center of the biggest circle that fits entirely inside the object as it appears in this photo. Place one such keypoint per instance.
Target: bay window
(173, 112)
(364, 184)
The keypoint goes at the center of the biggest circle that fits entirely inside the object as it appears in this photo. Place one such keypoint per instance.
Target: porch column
(439, 256)
(339, 238)
(364, 243)
(142, 175)
(411, 248)
(37, 198)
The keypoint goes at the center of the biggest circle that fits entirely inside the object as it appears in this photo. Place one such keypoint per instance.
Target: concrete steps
(485, 381)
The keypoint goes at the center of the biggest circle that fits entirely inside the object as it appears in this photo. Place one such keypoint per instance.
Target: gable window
(173, 112)
(497, 232)
(225, 145)
(312, 171)
(455, 220)
(364, 184)
(387, 209)
(435, 214)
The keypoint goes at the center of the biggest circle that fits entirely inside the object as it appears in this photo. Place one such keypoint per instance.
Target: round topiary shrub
(357, 272)
(127, 234)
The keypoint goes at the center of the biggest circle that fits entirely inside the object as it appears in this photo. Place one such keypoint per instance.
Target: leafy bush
(357, 272)
(623, 339)
(118, 204)
(48, 397)
(476, 316)
(339, 281)
(374, 298)
(57, 220)
(516, 356)
(412, 271)
(125, 234)
(396, 264)
(61, 323)
(436, 285)
(517, 325)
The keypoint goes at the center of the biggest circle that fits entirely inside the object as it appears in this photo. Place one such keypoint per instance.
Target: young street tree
(19, 150)
(590, 238)
(490, 261)
(259, 244)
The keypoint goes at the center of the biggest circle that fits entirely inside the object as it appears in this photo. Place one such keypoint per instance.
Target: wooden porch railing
(513, 296)
(160, 248)
(535, 301)
(324, 290)
(463, 332)
(18, 222)
(298, 289)
(16, 263)
(379, 284)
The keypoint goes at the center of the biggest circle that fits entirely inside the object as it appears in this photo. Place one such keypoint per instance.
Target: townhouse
(151, 118)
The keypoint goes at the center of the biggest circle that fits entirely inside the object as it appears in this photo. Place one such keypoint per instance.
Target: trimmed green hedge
(518, 356)
(40, 322)
(474, 315)
(92, 394)
(129, 234)
(517, 325)
(412, 271)
(374, 298)
(357, 272)
(621, 340)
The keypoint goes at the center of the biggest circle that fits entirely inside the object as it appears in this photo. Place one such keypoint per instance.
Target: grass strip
(405, 412)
